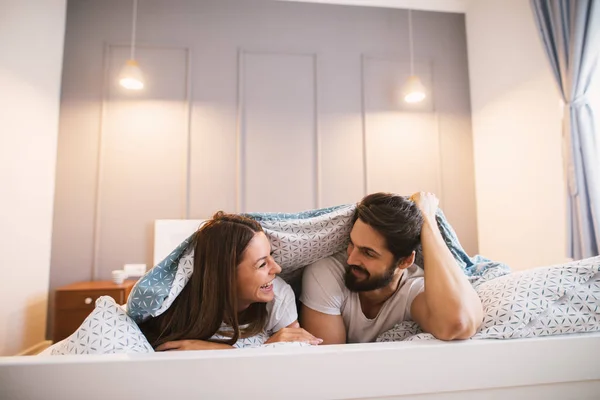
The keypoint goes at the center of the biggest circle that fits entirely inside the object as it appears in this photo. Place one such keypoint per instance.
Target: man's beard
(369, 282)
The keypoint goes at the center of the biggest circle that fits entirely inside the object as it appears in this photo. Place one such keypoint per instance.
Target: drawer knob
(88, 300)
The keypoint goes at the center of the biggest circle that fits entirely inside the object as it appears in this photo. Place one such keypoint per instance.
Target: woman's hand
(427, 202)
(192, 345)
(294, 333)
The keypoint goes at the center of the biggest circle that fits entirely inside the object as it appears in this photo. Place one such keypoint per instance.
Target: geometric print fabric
(107, 330)
(297, 240)
(545, 301)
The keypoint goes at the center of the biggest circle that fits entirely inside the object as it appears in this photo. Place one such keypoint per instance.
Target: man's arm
(330, 328)
(322, 298)
(448, 308)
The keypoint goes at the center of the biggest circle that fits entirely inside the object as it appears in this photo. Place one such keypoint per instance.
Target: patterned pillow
(286, 344)
(301, 239)
(544, 301)
(259, 341)
(400, 332)
(107, 330)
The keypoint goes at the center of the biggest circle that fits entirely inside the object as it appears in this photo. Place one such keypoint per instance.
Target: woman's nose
(275, 269)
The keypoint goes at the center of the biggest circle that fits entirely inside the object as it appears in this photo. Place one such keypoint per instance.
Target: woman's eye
(262, 265)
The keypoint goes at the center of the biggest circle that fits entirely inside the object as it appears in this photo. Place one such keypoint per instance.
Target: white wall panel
(278, 132)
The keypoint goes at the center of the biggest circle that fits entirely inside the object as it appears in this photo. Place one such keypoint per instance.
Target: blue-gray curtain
(570, 31)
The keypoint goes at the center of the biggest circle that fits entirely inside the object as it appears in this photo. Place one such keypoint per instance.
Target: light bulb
(131, 76)
(413, 90)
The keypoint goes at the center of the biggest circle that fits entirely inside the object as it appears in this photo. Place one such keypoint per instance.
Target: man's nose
(353, 257)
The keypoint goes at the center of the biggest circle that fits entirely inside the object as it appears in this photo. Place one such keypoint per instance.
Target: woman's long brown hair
(210, 297)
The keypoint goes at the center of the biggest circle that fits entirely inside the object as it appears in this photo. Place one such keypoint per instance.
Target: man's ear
(407, 261)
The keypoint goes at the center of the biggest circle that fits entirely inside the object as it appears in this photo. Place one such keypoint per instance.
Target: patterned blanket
(544, 301)
(297, 240)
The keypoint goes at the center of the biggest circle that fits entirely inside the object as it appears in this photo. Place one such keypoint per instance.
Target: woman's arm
(193, 345)
(293, 333)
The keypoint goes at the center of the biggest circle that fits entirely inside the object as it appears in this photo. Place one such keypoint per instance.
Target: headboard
(169, 233)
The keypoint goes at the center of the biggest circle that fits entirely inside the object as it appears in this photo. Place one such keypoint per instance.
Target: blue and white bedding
(545, 301)
(297, 240)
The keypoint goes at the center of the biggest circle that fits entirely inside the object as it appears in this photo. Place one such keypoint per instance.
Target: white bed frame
(169, 233)
(558, 367)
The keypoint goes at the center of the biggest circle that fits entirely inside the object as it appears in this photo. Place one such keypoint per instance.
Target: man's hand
(427, 202)
(192, 345)
(449, 307)
(294, 333)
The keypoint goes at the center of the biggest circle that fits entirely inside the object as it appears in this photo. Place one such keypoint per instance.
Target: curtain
(570, 32)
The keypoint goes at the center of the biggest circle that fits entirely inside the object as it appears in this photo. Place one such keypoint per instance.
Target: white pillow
(107, 330)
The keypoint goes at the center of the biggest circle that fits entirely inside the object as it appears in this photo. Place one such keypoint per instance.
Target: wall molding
(240, 186)
(363, 117)
(454, 6)
(100, 164)
(188, 150)
(104, 107)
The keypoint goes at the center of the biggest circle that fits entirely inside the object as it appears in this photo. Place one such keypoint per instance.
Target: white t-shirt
(282, 309)
(324, 290)
(281, 313)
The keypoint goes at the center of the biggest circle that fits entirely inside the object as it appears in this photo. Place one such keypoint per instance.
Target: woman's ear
(407, 261)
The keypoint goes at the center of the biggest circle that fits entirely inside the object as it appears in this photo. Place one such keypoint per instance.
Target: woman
(233, 293)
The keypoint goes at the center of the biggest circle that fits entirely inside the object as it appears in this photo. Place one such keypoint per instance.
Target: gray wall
(250, 105)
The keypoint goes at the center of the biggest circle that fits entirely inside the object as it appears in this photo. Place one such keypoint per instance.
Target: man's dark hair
(396, 218)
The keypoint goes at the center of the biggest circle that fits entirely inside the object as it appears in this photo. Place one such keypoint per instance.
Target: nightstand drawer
(86, 300)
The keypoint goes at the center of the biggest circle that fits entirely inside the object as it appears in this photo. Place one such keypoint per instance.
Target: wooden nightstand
(73, 303)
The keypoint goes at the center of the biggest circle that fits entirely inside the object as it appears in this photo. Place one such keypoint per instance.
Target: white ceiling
(457, 6)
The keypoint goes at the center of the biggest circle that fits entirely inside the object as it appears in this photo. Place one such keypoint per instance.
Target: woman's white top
(281, 313)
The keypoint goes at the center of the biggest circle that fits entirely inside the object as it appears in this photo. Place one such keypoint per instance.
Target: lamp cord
(410, 38)
(133, 27)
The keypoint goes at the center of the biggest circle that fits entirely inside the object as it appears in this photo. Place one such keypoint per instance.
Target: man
(353, 298)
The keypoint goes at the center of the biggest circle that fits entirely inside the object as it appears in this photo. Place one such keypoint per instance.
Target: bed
(552, 367)
(557, 367)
